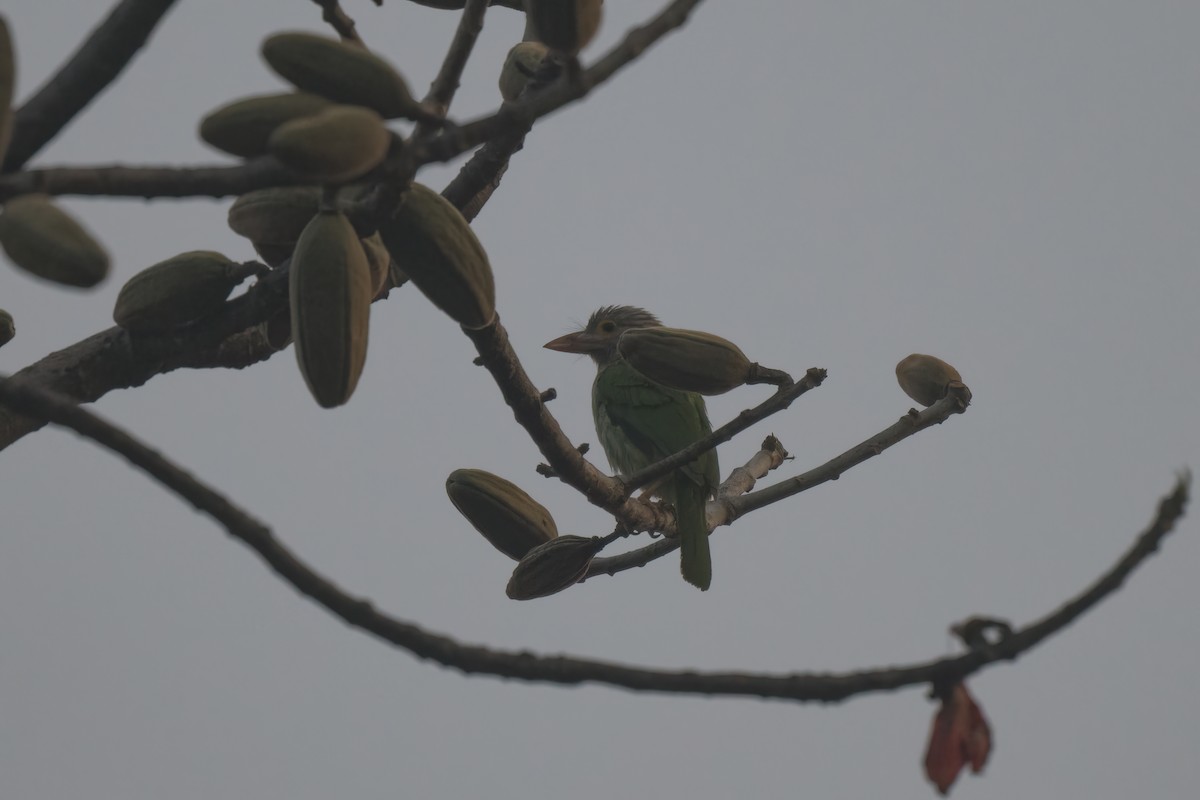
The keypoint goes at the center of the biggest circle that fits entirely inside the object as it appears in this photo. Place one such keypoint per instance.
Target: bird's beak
(578, 342)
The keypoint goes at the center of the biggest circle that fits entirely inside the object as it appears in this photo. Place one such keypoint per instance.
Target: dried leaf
(960, 735)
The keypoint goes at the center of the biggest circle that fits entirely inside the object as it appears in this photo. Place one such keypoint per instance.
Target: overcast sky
(1010, 185)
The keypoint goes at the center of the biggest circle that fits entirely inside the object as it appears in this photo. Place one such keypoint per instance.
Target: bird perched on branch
(640, 422)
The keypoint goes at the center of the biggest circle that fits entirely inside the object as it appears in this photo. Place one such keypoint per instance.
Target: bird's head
(599, 337)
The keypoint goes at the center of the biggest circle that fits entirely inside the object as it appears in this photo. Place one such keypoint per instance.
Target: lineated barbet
(640, 422)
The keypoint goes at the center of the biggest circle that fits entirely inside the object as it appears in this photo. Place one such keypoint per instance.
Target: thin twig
(441, 91)
(741, 480)
(97, 62)
(729, 506)
(339, 20)
(518, 117)
(524, 665)
(777, 402)
(936, 414)
(454, 5)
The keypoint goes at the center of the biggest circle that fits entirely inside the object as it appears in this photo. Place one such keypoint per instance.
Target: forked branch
(31, 400)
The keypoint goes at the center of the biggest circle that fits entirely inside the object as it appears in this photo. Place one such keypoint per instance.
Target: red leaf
(959, 736)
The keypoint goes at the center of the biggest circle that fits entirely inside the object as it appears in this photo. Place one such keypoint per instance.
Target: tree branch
(89, 369)
(152, 181)
(741, 480)
(954, 402)
(442, 90)
(453, 5)
(777, 402)
(729, 506)
(569, 465)
(508, 125)
(32, 400)
(519, 116)
(109, 360)
(339, 20)
(97, 62)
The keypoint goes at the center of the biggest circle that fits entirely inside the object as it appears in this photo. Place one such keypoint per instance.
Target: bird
(640, 422)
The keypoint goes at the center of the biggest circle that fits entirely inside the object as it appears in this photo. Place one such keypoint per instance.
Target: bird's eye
(608, 326)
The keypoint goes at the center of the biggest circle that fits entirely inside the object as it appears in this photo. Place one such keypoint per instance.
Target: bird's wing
(658, 421)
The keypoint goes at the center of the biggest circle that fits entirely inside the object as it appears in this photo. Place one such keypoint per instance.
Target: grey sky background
(1012, 186)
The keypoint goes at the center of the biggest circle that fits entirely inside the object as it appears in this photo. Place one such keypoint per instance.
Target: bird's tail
(696, 562)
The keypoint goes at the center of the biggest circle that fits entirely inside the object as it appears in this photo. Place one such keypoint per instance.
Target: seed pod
(520, 66)
(46, 241)
(273, 219)
(243, 127)
(277, 329)
(553, 566)
(8, 328)
(432, 244)
(330, 293)
(693, 361)
(8, 81)
(925, 378)
(507, 517)
(172, 293)
(564, 25)
(379, 260)
(342, 72)
(339, 144)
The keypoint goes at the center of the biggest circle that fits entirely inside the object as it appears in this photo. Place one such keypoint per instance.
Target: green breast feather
(640, 422)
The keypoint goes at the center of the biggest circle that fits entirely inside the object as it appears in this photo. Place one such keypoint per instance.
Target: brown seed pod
(8, 82)
(564, 25)
(277, 329)
(273, 219)
(520, 66)
(330, 294)
(379, 260)
(507, 517)
(243, 127)
(693, 361)
(339, 144)
(8, 328)
(435, 247)
(46, 241)
(177, 291)
(551, 567)
(342, 72)
(925, 378)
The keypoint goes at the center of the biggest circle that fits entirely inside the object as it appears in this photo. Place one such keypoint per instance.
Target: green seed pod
(273, 254)
(8, 328)
(436, 248)
(330, 293)
(507, 517)
(379, 260)
(277, 330)
(273, 219)
(693, 361)
(342, 72)
(46, 241)
(339, 144)
(564, 25)
(551, 567)
(520, 66)
(243, 127)
(8, 82)
(172, 293)
(925, 378)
